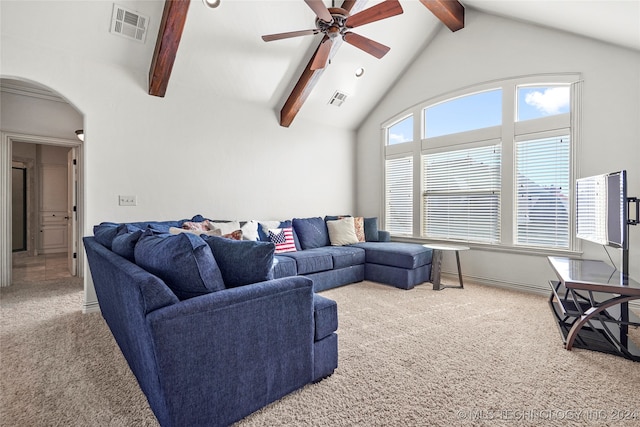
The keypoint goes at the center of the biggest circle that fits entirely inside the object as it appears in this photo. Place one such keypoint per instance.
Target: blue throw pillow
(312, 232)
(183, 261)
(242, 262)
(105, 233)
(125, 242)
(371, 229)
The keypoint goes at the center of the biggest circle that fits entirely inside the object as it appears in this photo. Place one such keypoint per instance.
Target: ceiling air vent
(129, 24)
(338, 98)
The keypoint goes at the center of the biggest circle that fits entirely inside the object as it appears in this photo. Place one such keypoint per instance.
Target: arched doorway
(37, 120)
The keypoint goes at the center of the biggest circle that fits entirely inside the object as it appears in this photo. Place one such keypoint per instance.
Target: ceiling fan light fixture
(211, 3)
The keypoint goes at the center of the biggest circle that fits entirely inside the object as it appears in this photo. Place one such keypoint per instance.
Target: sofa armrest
(384, 236)
(223, 355)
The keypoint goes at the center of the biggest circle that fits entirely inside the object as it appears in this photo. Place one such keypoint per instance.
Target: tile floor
(39, 268)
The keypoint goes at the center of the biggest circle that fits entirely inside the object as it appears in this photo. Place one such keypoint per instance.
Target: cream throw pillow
(225, 227)
(175, 230)
(342, 232)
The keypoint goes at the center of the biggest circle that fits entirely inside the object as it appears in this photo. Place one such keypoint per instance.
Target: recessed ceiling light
(211, 3)
(359, 72)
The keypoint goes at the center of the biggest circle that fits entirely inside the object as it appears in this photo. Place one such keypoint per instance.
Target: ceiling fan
(336, 22)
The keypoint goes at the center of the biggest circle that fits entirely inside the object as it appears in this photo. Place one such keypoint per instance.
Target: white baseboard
(92, 307)
(543, 290)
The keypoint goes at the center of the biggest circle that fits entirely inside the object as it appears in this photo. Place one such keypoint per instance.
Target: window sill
(493, 248)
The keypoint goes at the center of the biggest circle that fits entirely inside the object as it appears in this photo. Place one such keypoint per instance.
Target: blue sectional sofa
(215, 328)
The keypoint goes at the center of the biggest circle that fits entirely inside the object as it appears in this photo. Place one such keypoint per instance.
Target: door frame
(6, 142)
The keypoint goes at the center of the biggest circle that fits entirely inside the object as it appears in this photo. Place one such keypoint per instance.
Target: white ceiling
(222, 56)
(222, 48)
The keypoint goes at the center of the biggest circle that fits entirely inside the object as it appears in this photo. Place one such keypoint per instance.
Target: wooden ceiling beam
(309, 77)
(450, 12)
(169, 34)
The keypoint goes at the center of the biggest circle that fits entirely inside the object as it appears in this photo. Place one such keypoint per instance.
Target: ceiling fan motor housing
(337, 26)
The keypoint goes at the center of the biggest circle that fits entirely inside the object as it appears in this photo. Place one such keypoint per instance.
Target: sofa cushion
(342, 231)
(125, 242)
(325, 316)
(396, 254)
(158, 226)
(311, 260)
(183, 261)
(312, 232)
(345, 256)
(105, 232)
(242, 262)
(371, 229)
(283, 267)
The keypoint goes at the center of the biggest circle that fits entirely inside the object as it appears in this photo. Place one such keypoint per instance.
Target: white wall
(492, 48)
(181, 155)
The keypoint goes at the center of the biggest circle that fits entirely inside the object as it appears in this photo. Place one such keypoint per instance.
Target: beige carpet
(472, 357)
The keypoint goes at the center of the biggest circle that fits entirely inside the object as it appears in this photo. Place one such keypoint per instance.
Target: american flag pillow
(283, 239)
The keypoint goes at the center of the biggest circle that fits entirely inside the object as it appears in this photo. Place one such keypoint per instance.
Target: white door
(72, 212)
(53, 209)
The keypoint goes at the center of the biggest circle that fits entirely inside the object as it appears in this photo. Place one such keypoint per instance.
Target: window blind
(542, 195)
(399, 195)
(462, 194)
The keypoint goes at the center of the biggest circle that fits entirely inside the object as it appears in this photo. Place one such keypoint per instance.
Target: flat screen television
(601, 209)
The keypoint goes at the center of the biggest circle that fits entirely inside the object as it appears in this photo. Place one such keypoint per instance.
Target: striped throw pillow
(283, 239)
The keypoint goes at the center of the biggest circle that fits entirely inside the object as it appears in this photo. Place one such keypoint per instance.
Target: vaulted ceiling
(221, 53)
(222, 47)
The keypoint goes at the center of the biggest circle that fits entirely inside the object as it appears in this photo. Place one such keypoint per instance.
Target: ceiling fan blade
(280, 36)
(371, 47)
(320, 9)
(322, 55)
(386, 9)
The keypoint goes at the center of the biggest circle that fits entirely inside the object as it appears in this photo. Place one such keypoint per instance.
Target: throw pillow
(250, 230)
(234, 235)
(225, 227)
(283, 239)
(342, 232)
(312, 232)
(286, 224)
(358, 223)
(176, 230)
(242, 262)
(196, 226)
(371, 229)
(264, 227)
(183, 261)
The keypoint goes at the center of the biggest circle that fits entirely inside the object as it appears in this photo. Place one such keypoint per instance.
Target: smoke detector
(128, 23)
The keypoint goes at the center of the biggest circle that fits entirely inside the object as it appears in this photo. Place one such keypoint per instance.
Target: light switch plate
(127, 200)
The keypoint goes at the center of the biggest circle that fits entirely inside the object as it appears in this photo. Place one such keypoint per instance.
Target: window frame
(510, 131)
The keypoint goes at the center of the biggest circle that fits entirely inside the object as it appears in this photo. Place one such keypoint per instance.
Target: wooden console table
(590, 302)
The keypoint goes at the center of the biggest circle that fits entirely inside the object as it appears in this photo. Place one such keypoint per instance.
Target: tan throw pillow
(342, 232)
(358, 223)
